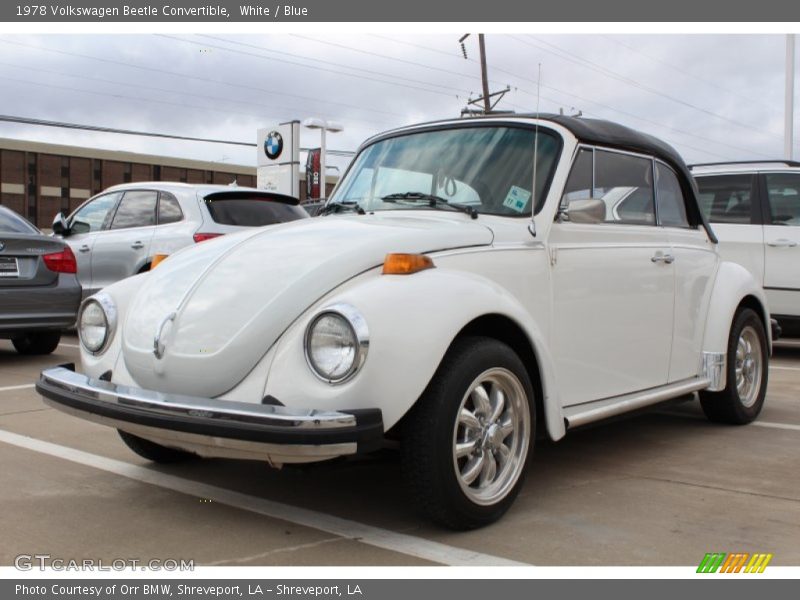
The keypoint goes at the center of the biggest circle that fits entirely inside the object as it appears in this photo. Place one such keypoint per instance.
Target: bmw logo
(273, 145)
(2, 246)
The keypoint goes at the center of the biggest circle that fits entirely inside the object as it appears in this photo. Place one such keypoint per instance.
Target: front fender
(412, 321)
(734, 283)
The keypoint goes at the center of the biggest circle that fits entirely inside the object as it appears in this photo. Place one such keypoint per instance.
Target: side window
(671, 203)
(726, 198)
(169, 211)
(783, 191)
(137, 209)
(625, 185)
(579, 182)
(94, 215)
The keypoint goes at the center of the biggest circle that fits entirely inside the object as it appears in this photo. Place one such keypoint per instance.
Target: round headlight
(336, 343)
(96, 323)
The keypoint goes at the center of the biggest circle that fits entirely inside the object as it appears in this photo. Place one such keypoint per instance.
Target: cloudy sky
(714, 97)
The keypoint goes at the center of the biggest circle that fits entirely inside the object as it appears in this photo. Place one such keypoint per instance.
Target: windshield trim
(470, 125)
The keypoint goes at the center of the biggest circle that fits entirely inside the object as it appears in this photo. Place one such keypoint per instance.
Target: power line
(173, 91)
(680, 70)
(193, 77)
(586, 63)
(317, 68)
(97, 128)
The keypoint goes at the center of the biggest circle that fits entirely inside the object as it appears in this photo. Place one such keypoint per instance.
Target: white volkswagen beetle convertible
(466, 291)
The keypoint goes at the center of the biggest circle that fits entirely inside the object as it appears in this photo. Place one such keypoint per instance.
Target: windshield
(488, 168)
(10, 222)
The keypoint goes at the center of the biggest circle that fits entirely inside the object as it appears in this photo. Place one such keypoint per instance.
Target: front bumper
(210, 427)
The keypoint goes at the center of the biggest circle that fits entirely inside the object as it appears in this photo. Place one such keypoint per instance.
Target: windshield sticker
(517, 198)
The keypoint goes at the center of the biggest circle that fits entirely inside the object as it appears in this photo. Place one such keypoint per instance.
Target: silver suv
(117, 233)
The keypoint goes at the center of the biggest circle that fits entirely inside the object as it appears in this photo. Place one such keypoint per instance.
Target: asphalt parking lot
(659, 488)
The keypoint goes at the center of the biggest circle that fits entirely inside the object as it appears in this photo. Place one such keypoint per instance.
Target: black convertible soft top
(601, 133)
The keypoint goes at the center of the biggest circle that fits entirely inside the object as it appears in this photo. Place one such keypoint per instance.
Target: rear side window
(252, 212)
(671, 204)
(137, 209)
(169, 211)
(726, 198)
(11, 222)
(783, 191)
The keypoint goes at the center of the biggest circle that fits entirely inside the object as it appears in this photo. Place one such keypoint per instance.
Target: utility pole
(487, 107)
(788, 147)
(486, 98)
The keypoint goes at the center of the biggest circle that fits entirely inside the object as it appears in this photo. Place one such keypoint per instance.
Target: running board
(589, 412)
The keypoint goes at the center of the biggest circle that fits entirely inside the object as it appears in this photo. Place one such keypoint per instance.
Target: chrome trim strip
(213, 446)
(713, 368)
(583, 414)
(194, 407)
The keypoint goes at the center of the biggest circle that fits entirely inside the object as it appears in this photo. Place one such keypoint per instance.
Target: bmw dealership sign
(279, 158)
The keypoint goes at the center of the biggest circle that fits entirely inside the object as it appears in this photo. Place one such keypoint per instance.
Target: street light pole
(788, 147)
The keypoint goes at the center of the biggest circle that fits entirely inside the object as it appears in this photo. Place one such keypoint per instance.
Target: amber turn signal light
(406, 264)
(157, 260)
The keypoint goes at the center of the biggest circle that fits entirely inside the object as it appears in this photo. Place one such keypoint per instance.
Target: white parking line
(69, 345)
(780, 368)
(367, 534)
(776, 425)
(9, 388)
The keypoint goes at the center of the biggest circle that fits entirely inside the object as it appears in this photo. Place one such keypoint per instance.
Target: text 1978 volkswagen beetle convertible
(487, 280)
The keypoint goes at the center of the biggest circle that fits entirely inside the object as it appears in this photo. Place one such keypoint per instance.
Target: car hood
(219, 306)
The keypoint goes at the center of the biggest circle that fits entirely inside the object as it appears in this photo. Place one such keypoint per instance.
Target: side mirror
(60, 225)
(590, 210)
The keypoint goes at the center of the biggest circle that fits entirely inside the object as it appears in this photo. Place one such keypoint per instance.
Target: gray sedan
(120, 231)
(39, 289)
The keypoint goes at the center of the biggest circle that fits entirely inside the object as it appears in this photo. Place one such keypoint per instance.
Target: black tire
(152, 451)
(37, 342)
(433, 474)
(727, 406)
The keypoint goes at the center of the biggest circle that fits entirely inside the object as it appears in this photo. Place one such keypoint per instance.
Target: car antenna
(532, 226)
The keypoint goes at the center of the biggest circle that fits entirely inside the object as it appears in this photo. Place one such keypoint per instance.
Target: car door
(695, 266)
(613, 282)
(85, 224)
(782, 243)
(123, 249)
(730, 202)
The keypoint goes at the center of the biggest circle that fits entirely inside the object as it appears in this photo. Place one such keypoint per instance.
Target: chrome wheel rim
(748, 366)
(491, 436)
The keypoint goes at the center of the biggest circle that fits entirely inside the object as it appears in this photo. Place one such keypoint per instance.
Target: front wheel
(37, 343)
(467, 440)
(747, 373)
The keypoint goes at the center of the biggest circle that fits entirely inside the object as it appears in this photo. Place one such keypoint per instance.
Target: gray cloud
(714, 97)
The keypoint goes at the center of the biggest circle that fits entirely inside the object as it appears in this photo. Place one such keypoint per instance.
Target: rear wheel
(152, 451)
(467, 440)
(747, 373)
(37, 343)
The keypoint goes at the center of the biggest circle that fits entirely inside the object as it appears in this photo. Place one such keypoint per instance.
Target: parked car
(754, 208)
(459, 304)
(313, 207)
(39, 291)
(117, 233)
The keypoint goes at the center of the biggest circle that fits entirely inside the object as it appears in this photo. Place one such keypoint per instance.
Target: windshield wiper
(341, 206)
(432, 200)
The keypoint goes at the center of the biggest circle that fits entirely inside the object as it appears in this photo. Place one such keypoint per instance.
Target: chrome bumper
(273, 430)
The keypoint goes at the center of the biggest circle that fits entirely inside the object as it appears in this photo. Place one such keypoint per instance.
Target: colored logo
(273, 145)
(2, 246)
(737, 562)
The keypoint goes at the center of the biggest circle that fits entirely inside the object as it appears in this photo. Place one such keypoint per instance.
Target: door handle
(84, 248)
(782, 243)
(665, 258)
(137, 245)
